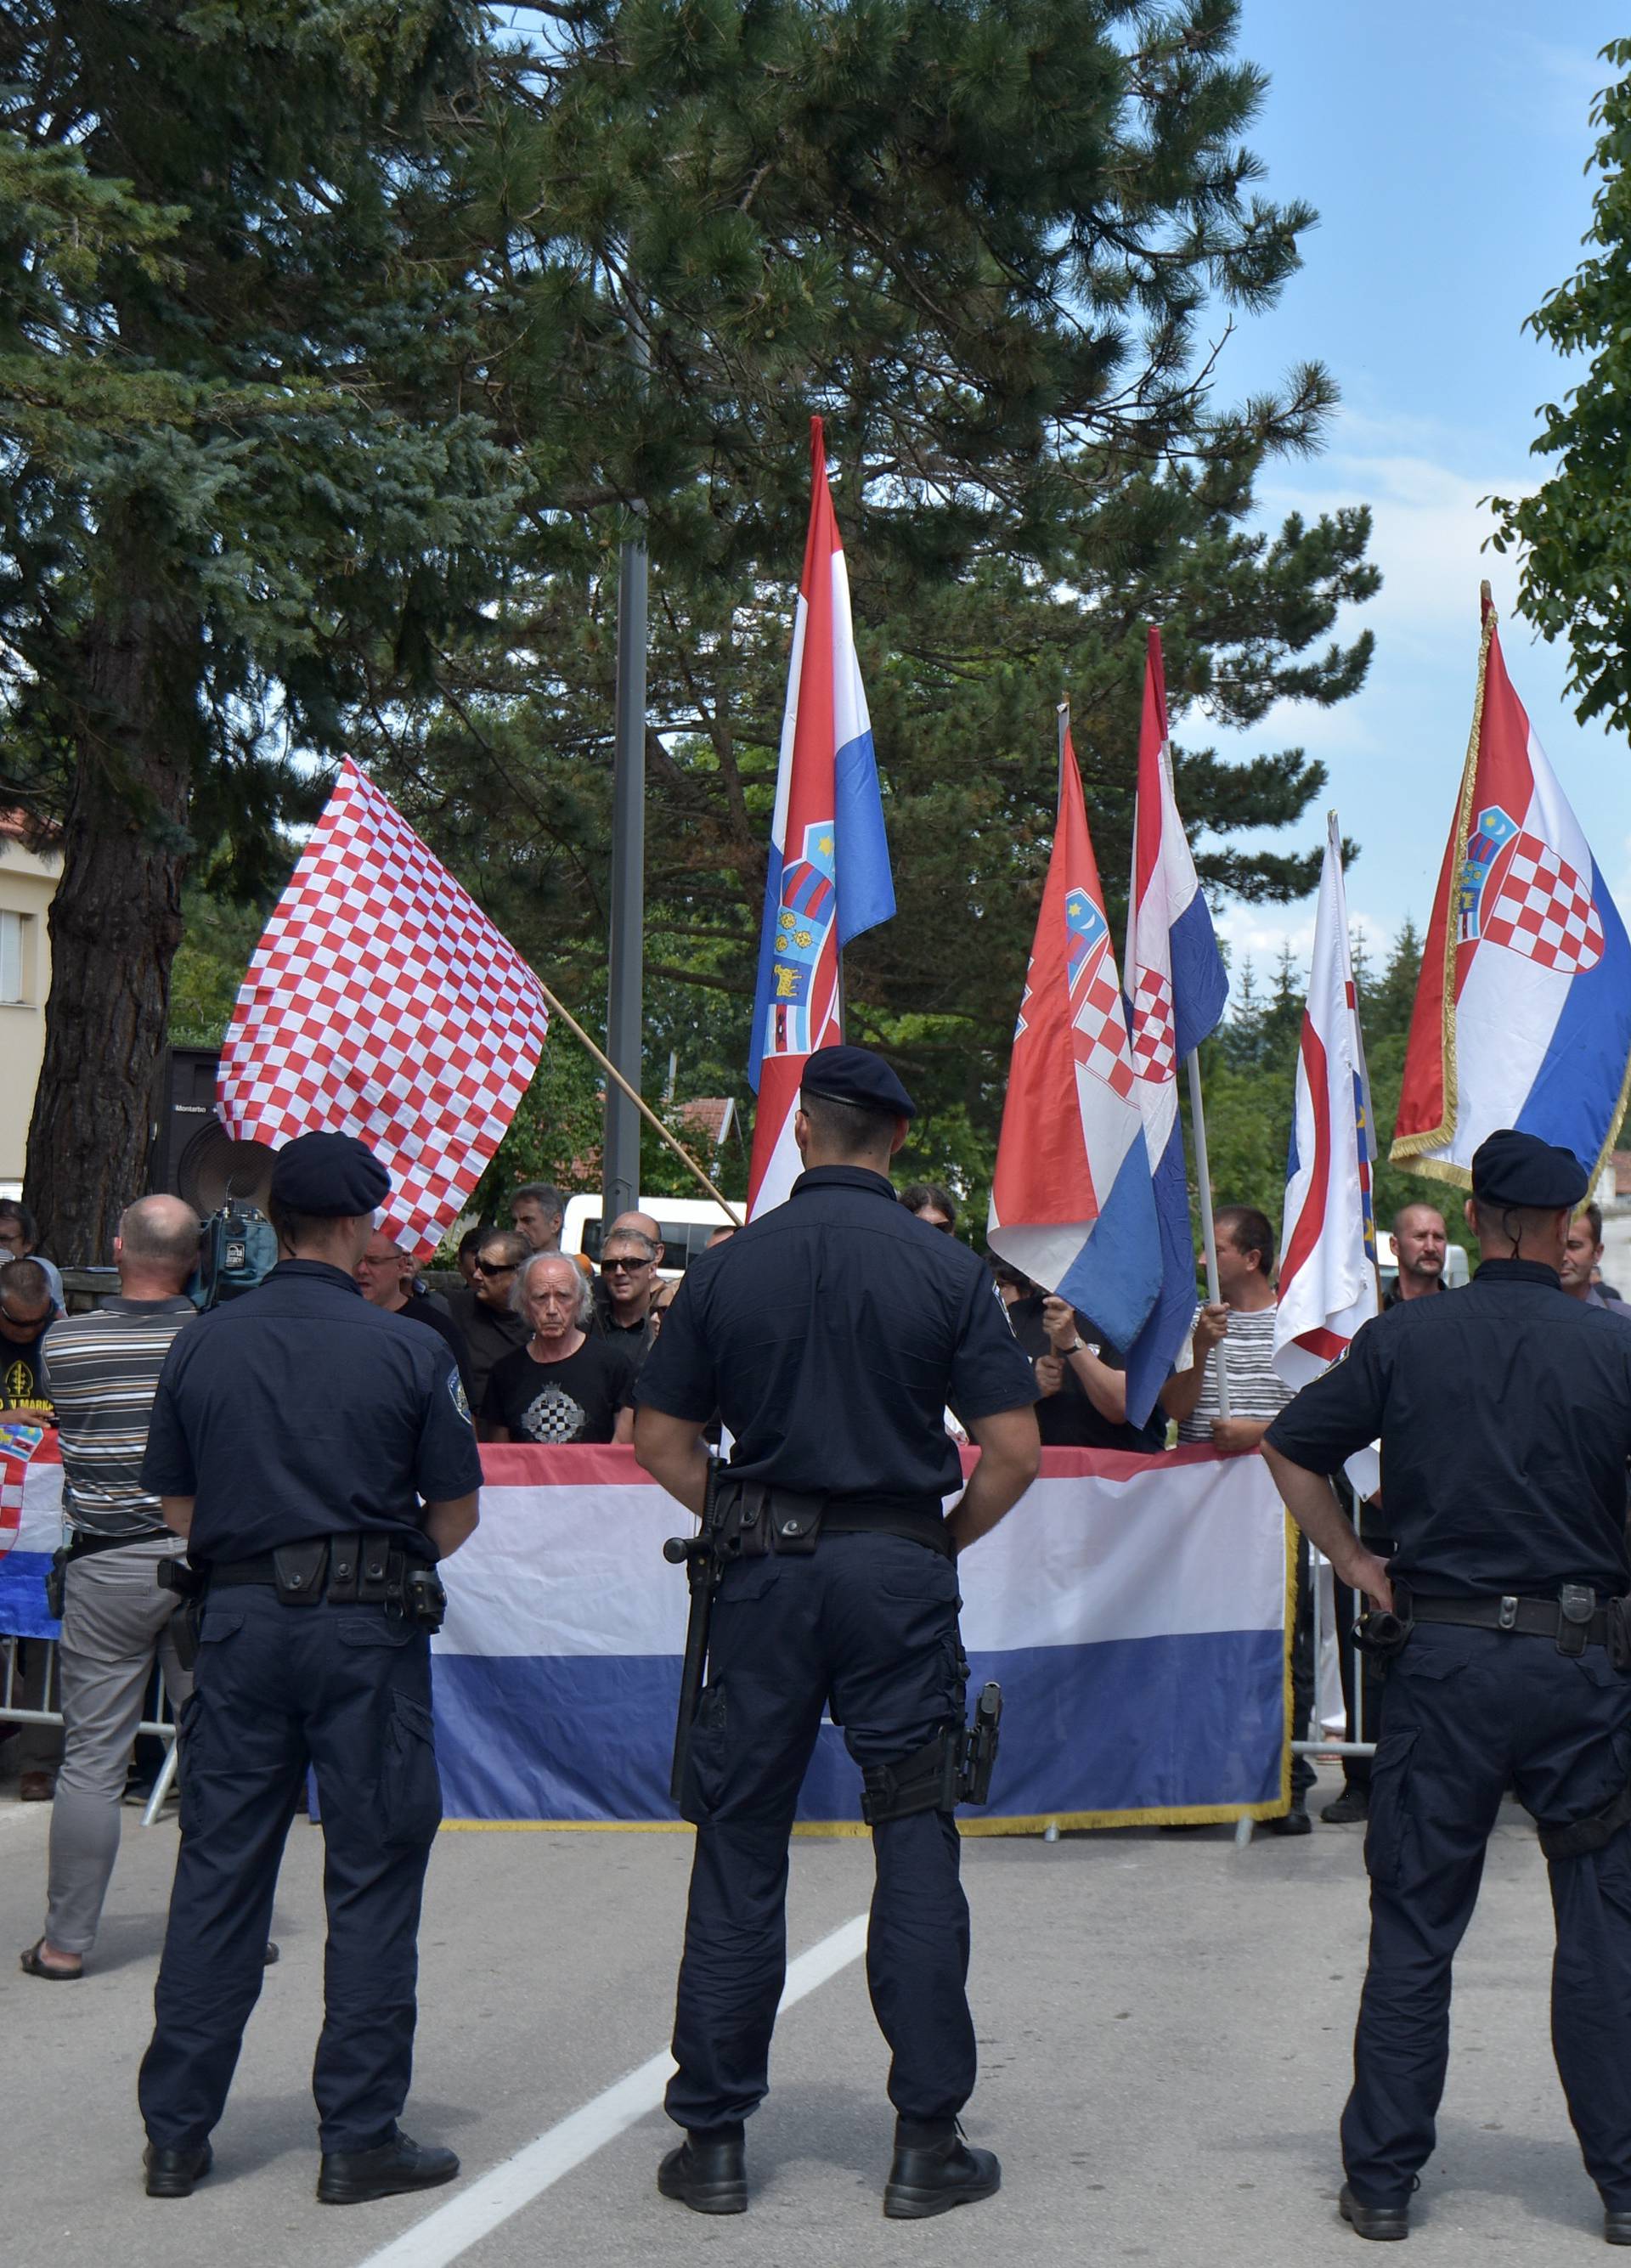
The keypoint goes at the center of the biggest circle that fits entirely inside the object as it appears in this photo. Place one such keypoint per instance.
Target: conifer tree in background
(427, 310)
(990, 245)
(241, 498)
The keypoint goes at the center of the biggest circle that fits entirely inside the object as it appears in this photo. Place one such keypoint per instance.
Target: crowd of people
(157, 1411)
(548, 1350)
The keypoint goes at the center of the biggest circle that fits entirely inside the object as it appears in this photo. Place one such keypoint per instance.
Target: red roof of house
(712, 1114)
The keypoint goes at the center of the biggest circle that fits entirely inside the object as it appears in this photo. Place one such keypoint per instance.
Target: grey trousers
(115, 1624)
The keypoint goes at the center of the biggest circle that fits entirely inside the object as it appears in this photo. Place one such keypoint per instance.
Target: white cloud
(1260, 934)
(1430, 525)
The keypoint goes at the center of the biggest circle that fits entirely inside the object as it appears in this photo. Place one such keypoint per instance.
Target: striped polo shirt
(104, 1370)
(1254, 1388)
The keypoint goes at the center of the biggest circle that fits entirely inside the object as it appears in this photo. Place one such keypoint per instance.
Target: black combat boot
(359, 2176)
(172, 2173)
(707, 2171)
(1385, 2224)
(934, 2169)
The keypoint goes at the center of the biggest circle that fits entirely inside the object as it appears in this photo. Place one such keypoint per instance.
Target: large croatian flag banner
(1523, 1010)
(1133, 1610)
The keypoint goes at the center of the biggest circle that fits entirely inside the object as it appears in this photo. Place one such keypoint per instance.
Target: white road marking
(446, 2235)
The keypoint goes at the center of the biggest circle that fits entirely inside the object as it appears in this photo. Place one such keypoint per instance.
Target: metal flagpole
(1197, 1116)
(626, 977)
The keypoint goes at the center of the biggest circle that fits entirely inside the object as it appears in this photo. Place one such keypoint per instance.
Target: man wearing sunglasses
(490, 1326)
(623, 1297)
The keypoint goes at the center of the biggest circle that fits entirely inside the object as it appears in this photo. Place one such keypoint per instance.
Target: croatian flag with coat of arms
(829, 874)
(1522, 1010)
(1176, 985)
(1071, 1201)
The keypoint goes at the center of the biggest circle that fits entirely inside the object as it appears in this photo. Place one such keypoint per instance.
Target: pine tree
(979, 241)
(246, 499)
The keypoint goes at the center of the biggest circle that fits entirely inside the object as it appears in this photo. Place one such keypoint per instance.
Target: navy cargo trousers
(1467, 1712)
(348, 1690)
(867, 1626)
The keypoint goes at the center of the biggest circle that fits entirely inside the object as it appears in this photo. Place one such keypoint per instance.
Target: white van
(687, 1223)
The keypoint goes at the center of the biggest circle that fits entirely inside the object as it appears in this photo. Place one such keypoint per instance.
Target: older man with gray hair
(563, 1385)
(104, 1368)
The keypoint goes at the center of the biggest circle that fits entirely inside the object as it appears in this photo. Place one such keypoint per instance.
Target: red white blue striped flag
(829, 874)
(1328, 1263)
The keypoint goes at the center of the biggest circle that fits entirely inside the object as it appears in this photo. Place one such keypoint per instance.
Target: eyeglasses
(622, 1267)
(496, 1267)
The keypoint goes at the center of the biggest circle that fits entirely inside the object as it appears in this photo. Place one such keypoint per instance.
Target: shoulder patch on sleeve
(460, 1400)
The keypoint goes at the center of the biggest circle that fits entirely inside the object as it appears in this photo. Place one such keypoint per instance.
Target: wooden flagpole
(640, 1104)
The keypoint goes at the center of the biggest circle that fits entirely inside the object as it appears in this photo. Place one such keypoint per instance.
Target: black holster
(190, 1584)
(56, 1582)
(757, 1519)
(299, 1571)
(955, 1767)
(1581, 1837)
(1384, 1632)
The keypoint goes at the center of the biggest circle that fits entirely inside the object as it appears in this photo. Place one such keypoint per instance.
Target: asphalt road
(1165, 2023)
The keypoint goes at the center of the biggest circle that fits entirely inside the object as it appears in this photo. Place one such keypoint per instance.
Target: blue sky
(1443, 149)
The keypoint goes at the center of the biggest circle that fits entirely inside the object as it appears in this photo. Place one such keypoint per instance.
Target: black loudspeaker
(193, 1155)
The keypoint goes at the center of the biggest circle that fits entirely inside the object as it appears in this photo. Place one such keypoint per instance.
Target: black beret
(1509, 1168)
(328, 1174)
(856, 1075)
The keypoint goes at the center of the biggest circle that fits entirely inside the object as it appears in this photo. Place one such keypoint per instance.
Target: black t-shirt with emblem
(23, 1384)
(574, 1400)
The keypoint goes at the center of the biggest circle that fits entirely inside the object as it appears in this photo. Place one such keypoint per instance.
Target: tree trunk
(115, 923)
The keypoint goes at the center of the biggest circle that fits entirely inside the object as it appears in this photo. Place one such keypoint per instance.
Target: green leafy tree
(244, 494)
(1574, 533)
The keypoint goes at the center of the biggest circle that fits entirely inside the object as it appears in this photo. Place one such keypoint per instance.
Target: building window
(11, 937)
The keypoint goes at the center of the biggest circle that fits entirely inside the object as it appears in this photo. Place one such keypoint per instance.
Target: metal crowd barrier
(12, 1711)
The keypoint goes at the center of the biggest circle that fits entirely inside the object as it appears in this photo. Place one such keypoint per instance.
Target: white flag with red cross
(382, 1002)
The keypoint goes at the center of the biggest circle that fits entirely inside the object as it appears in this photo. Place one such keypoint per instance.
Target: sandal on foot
(34, 1966)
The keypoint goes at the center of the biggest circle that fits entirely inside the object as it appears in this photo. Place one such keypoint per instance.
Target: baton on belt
(703, 1561)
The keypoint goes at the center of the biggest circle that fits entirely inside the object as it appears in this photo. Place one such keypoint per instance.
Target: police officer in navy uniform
(295, 1431)
(1505, 1420)
(831, 1334)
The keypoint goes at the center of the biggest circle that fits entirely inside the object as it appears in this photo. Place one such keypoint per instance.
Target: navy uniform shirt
(1505, 1420)
(299, 1410)
(831, 1334)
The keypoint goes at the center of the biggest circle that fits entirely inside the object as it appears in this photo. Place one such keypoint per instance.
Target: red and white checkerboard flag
(381, 1002)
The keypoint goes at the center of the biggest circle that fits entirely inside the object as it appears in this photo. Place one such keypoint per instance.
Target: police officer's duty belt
(1573, 1621)
(757, 1517)
(369, 1570)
